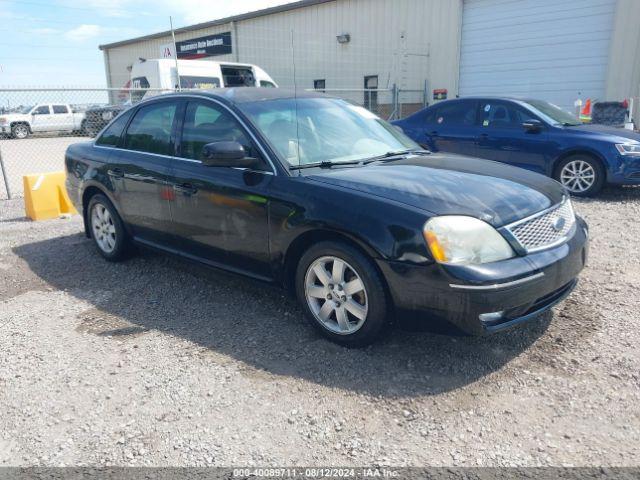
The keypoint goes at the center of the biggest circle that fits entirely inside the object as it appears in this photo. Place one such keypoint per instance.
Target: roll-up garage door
(548, 49)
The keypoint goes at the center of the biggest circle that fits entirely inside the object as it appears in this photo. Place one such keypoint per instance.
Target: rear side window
(60, 109)
(112, 134)
(501, 115)
(456, 113)
(151, 127)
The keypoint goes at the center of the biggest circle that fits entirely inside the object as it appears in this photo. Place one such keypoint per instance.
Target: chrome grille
(545, 229)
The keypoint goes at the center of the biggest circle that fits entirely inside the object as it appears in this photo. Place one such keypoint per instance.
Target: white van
(161, 73)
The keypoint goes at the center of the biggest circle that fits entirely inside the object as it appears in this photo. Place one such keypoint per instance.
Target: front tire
(342, 294)
(20, 131)
(582, 175)
(107, 230)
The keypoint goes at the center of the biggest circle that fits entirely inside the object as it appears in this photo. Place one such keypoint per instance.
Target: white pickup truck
(44, 117)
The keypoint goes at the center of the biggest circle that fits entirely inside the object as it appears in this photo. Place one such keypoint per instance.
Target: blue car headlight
(630, 149)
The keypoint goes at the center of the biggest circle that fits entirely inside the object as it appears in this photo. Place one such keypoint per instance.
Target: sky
(54, 43)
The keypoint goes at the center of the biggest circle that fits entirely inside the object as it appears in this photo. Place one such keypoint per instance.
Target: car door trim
(205, 261)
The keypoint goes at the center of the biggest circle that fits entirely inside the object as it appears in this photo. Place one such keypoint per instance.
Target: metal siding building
(540, 48)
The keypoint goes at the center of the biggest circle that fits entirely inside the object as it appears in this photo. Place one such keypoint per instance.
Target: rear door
(220, 214)
(503, 138)
(62, 117)
(140, 170)
(452, 127)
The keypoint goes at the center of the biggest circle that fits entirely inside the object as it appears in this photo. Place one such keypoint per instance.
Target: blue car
(531, 134)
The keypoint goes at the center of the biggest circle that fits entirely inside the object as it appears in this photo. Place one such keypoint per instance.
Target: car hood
(15, 116)
(446, 184)
(619, 135)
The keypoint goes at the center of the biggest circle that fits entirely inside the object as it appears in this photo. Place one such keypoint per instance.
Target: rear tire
(342, 294)
(20, 131)
(107, 230)
(581, 174)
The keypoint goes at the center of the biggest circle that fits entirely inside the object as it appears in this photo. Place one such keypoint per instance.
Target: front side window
(139, 86)
(456, 113)
(111, 135)
(42, 110)
(151, 127)
(206, 123)
(60, 109)
(501, 115)
(311, 130)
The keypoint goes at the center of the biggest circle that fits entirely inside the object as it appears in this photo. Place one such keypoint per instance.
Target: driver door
(504, 139)
(41, 119)
(219, 214)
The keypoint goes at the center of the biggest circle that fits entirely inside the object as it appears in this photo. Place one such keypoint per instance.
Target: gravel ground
(160, 362)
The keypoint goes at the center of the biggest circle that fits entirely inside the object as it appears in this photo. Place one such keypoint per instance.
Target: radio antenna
(175, 53)
(295, 96)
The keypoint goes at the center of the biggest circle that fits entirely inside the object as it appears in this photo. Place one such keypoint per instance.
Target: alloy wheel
(578, 176)
(20, 131)
(104, 231)
(336, 295)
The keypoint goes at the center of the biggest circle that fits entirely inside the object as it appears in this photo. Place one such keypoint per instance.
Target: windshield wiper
(394, 155)
(324, 164)
(387, 156)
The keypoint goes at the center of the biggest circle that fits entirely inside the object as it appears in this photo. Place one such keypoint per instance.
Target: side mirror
(532, 125)
(227, 154)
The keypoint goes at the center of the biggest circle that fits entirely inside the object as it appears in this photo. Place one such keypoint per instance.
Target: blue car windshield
(552, 113)
(311, 130)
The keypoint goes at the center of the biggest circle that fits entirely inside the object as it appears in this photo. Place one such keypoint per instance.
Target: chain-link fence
(37, 125)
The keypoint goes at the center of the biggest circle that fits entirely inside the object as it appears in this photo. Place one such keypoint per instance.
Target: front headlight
(632, 149)
(3, 120)
(465, 240)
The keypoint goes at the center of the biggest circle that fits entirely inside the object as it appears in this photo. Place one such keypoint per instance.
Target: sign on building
(167, 51)
(209, 46)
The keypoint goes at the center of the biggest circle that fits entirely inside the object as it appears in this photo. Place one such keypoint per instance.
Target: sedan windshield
(307, 131)
(552, 113)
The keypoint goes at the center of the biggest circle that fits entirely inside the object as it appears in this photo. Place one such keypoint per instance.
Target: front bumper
(5, 129)
(626, 171)
(486, 298)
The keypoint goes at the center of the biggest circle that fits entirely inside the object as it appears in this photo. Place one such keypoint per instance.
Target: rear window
(112, 134)
(60, 109)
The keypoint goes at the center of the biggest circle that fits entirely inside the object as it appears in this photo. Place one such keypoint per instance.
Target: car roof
(489, 97)
(237, 95)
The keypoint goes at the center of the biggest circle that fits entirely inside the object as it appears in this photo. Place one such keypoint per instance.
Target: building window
(319, 85)
(371, 92)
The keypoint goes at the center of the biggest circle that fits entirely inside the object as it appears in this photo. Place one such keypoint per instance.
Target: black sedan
(324, 198)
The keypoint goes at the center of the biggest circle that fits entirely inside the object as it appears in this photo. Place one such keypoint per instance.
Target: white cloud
(84, 32)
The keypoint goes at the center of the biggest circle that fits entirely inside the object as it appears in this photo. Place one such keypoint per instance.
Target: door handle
(482, 137)
(185, 188)
(116, 172)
